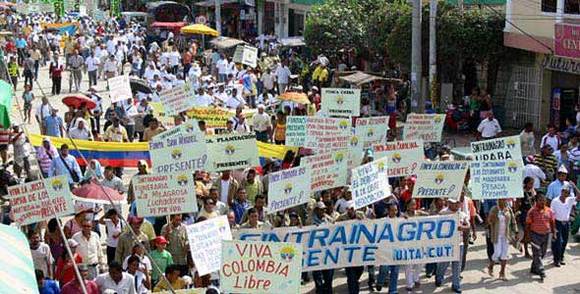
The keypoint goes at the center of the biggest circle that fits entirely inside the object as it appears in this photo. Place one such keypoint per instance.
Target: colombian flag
(128, 154)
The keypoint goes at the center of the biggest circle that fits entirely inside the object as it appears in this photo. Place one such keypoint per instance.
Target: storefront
(238, 17)
(564, 86)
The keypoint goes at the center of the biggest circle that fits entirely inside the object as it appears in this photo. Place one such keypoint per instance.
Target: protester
(562, 207)
(503, 231)
(176, 235)
(116, 280)
(89, 248)
(540, 223)
(41, 256)
(46, 285)
(65, 164)
(74, 285)
(126, 240)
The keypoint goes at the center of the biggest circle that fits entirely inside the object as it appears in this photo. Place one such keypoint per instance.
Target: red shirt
(73, 287)
(65, 272)
(540, 220)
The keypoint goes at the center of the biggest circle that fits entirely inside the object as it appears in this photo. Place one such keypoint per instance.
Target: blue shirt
(555, 188)
(53, 125)
(239, 209)
(49, 287)
(20, 43)
(58, 168)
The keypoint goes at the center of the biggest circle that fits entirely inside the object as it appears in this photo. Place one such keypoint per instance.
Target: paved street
(475, 278)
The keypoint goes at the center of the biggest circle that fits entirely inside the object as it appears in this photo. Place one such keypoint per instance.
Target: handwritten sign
(328, 170)
(40, 200)
(288, 188)
(318, 132)
(179, 149)
(403, 157)
(370, 183)
(296, 130)
(505, 148)
(119, 88)
(260, 267)
(177, 99)
(246, 55)
(394, 241)
(340, 102)
(440, 179)
(372, 130)
(232, 151)
(496, 179)
(426, 127)
(205, 243)
(216, 117)
(165, 194)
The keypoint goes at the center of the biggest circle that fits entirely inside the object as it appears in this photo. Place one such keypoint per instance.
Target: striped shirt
(548, 164)
(4, 137)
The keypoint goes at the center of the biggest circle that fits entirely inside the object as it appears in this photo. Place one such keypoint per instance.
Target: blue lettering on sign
(338, 236)
(312, 257)
(321, 237)
(369, 253)
(329, 255)
(409, 235)
(428, 231)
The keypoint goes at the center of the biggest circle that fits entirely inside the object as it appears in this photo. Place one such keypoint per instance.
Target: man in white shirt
(92, 63)
(203, 99)
(533, 171)
(551, 138)
(222, 68)
(43, 111)
(268, 81)
(562, 207)
(283, 77)
(174, 60)
(262, 124)
(241, 125)
(80, 131)
(489, 128)
(116, 280)
(110, 67)
(233, 101)
(89, 248)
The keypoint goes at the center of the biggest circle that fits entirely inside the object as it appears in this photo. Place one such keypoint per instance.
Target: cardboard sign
(403, 157)
(288, 188)
(393, 241)
(328, 170)
(370, 183)
(232, 151)
(496, 179)
(41, 200)
(437, 179)
(340, 102)
(505, 148)
(426, 127)
(205, 243)
(318, 132)
(165, 194)
(119, 88)
(180, 149)
(372, 130)
(260, 267)
(177, 99)
(246, 55)
(216, 117)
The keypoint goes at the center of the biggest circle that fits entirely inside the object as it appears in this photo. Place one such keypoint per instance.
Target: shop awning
(359, 78)
(226, 42)
(292, 42)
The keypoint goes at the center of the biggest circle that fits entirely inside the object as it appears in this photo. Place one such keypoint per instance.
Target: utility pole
(433, 53)
(218, 16)
(417, 100)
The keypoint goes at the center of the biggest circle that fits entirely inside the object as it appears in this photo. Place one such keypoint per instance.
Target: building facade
(545, 87)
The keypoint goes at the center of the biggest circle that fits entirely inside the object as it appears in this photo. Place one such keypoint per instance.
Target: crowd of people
(142, 255)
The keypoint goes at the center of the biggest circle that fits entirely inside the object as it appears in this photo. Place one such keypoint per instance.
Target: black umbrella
(138, 85)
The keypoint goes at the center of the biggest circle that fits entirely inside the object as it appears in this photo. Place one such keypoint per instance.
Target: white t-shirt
(203, 100)
(261, 122)
(40, 257)
(536, 173)
(222, 66)
(562, 209)
(489, 128)
(233, 102)
(92, 63)
(112, 229)
(283, 74)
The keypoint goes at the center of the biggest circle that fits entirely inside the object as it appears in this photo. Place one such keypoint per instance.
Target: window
(572, 6)
(549, 5)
